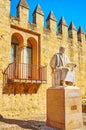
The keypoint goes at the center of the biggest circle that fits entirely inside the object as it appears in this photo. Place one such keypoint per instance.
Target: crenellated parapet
(38, 17)
(23, 12)
(51, 22)
(32, 44)
(66, 32)
(81, 35)
(72, 32)
(63, 28)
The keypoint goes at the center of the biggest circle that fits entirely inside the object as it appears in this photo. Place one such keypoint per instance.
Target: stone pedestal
(64, 109)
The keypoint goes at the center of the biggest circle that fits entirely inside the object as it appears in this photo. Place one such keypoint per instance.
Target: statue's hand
(75, 65)
(71, 65)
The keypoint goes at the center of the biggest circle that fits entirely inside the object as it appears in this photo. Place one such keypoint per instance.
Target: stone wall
(15, 104)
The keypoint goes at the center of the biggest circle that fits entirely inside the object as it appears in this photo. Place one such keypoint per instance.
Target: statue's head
(62, 49)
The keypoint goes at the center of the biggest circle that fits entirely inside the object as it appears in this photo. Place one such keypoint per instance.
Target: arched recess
(35, 57)
(16, 44)
(35, 50)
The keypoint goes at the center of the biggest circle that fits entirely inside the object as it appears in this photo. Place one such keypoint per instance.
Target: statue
(62, 69)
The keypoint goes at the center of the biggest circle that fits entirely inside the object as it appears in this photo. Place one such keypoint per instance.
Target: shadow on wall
(21, 88)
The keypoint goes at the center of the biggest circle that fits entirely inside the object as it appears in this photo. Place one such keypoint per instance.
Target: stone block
(64, 109)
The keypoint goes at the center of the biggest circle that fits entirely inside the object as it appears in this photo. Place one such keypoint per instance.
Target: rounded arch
(17, 36)
(16, 43)
(33, 42)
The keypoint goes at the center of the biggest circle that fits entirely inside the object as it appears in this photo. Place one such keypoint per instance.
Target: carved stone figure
(62, 69)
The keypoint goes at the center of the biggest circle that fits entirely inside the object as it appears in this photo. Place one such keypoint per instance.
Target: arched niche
(16, 45)
(35, 50)
(35, 69)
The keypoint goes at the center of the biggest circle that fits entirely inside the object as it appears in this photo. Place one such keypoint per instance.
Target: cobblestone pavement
(31, 123)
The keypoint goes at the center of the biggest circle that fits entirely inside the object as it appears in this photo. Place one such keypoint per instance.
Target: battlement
(26, 48)
(68, 32)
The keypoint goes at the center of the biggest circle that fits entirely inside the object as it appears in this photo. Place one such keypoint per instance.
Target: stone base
(64, 109)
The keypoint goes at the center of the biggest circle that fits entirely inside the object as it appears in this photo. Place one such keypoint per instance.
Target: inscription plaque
(74, 107)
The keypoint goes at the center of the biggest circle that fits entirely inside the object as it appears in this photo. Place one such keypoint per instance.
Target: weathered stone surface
(48, 42)
(64, 108)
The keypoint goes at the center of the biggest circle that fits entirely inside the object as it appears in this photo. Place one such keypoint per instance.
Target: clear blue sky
(71, 10)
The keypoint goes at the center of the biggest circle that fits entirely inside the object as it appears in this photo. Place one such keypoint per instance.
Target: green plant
(84, 101)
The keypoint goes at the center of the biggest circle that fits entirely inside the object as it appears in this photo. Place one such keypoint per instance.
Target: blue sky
(71, 10)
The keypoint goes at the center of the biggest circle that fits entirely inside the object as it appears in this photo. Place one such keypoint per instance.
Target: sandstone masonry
(30, 98)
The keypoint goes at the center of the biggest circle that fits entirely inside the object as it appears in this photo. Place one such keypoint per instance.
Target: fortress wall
(50, 40)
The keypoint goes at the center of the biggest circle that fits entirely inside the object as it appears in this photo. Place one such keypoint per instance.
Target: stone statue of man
(62, 68)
